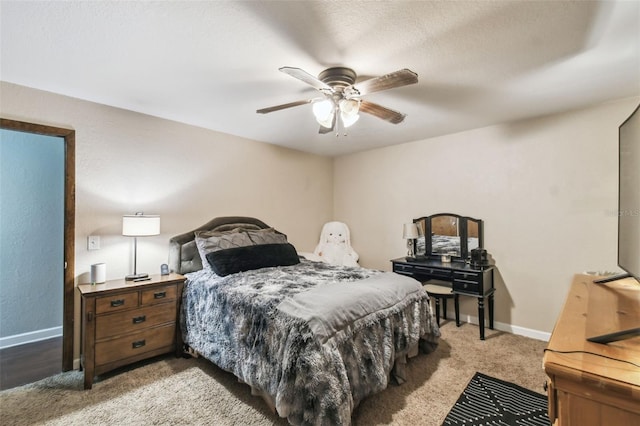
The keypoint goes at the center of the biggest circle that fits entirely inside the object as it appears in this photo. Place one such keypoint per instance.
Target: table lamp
(410, 232)
(139, 225)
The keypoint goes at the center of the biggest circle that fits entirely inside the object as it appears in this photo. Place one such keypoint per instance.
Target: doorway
(65, 268)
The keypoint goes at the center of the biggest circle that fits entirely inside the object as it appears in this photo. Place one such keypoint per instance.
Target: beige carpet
(193, 391)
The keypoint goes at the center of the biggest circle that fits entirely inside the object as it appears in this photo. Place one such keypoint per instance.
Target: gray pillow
(235, 227)
(211, 241)
(266, 236)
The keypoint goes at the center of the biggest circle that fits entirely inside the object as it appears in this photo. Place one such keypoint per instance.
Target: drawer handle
(138, 320)
(138, 344)
(160, 295)
(116, 303)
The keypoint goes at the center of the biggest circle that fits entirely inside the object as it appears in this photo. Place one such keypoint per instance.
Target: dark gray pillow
(247, 258)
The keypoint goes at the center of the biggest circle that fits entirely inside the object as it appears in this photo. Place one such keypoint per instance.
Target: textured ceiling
(213, 63)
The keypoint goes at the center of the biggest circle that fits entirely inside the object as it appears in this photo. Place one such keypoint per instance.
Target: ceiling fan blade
(302, 75)
(399, 78)
(283, 106)
(381, 112)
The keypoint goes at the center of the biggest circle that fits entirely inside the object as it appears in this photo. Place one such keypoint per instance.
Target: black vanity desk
(465, 280)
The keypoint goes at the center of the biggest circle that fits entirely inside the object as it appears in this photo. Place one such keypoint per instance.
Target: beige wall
(546, 189)
(128, 162)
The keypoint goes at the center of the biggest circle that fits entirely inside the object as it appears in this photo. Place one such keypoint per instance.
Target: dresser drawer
(134, 320)
(159, 295)
(134, 344)
(467, 286)
(117, 302)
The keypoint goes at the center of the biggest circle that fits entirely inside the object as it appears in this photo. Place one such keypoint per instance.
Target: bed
(312, 339)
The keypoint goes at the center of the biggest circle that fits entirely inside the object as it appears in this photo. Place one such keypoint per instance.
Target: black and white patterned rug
(488, 401)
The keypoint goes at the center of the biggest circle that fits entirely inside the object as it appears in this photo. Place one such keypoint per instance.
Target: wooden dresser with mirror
(442, 255)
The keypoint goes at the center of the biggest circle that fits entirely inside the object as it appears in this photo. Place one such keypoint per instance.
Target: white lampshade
(349, 109)
(323, 111)
(349, 120)
(410, 231)
(140, 225)
(328, 122)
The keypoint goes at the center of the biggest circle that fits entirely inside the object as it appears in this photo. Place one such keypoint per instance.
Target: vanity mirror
(448, 234)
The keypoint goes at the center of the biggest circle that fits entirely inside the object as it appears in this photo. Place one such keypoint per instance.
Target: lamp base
(136, 276)
(410, 248)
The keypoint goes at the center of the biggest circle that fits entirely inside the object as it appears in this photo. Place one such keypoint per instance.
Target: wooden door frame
(69, 137)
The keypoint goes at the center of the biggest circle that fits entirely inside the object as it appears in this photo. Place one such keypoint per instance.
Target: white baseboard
(509, 328)
(30, 337)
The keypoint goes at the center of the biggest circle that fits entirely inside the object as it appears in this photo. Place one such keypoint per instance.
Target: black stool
(439, 293)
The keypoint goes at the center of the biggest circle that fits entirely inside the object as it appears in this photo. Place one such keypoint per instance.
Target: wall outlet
(93, 242)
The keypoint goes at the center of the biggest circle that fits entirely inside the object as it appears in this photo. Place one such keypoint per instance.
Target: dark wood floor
(28, 363)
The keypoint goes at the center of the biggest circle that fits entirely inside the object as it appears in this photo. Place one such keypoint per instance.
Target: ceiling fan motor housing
(338, 77)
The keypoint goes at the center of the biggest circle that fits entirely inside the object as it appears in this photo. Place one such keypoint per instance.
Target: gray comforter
(263, 326)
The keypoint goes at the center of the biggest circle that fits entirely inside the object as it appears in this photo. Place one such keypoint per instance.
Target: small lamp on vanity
(410, 232)
(139, 225)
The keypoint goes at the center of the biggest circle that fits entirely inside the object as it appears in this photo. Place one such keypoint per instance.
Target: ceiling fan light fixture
(324, 111)
(349, 120)
(349, 109)
(328, 122)
(349, 106)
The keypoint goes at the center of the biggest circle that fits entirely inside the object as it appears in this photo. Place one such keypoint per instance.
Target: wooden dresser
(126, 321)
(591, 383)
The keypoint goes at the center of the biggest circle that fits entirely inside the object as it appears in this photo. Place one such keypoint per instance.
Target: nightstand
(124, 322)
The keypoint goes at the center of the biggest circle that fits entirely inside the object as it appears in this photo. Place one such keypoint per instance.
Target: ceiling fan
(342, 96)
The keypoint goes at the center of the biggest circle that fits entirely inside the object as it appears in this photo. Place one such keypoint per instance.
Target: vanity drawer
(468, 276)
(130, 321)
(464, 286)
(403, 268)
(432, 272)
(421, 271)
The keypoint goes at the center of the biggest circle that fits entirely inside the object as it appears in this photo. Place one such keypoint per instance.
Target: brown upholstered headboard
(183, 253)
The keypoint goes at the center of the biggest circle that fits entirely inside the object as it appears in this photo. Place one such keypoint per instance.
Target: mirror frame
(463, 226)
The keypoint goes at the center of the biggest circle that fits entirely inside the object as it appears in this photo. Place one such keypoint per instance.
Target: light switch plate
(93, 242)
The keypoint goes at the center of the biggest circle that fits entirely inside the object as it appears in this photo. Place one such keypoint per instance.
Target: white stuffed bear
(335, 246)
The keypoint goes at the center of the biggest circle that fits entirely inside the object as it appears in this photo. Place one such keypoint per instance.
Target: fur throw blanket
(234, 322)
